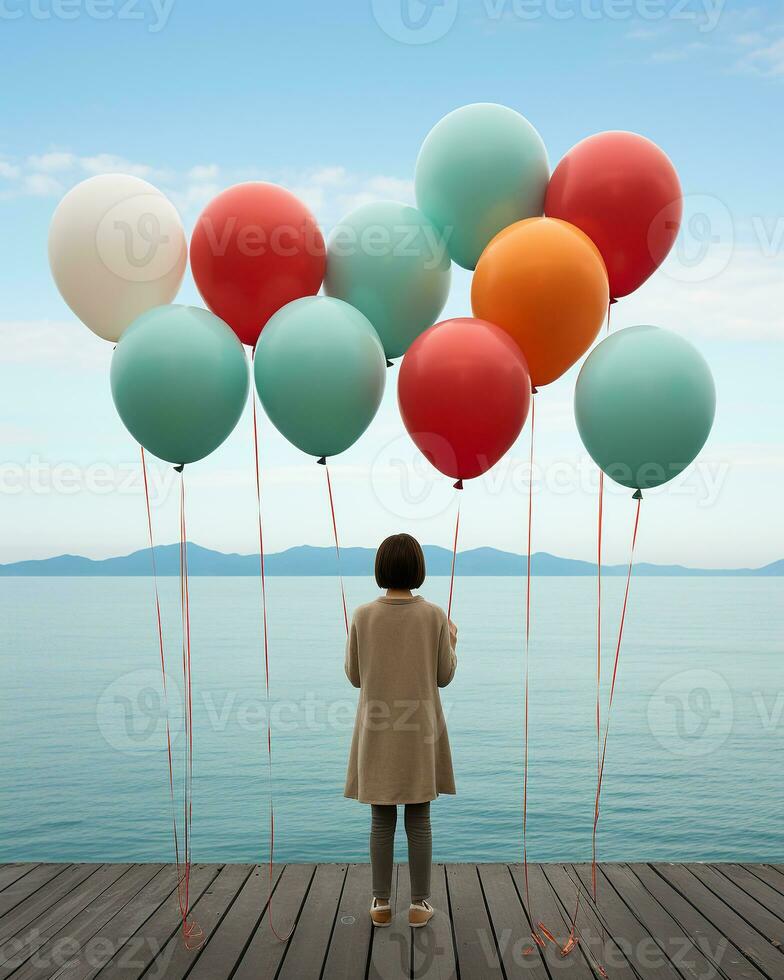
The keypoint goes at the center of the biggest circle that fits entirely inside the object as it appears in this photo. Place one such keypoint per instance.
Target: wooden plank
(265, 952)
(768, 874)
(642, 950)
(79, 922)
(759, 890)
(9, 873)
(24, 887)
(130, 962)
(384, 957)
(601, 946)
(308, 947)
(114, 935)
(704, 934)
(755, 913)
(71, 938)
(547, 909)
(510, 924)
(228, 941)
(475, 946)
(347, 957)
(29, 910)
(753, 946)
(175, 960)
(26, 942)
(398, 935)
(432, 948)
(687, 958)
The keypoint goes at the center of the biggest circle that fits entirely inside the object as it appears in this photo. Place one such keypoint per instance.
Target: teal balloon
(480, 169)
(179, 382)
(320, 373)
(644, 405)
(391, 263)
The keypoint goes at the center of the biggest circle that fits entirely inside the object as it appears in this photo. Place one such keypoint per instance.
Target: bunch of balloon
(550, 255)
(179, 380)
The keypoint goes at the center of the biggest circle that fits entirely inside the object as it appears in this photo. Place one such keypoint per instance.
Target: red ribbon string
(175, 835)
(265, 631)
(190, 931)
(599, 620)
(454, 559)
(538, 929)
(337, 543)
(612, 687)
(534, 934)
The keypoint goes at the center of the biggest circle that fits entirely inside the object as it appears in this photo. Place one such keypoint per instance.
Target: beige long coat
(398, 654)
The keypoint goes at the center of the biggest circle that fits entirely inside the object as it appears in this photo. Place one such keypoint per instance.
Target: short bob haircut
(400, 563)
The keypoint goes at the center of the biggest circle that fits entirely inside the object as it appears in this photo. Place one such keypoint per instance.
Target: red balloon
(464, 391)
(624, 193)
(254, 249)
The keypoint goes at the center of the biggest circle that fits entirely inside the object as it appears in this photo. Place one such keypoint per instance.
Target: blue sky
(333, 100)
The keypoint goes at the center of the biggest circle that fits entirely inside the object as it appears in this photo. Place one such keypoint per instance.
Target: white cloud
(204, 172)
(41, 185)
(109, 163)
(678, 53)
(741, 297)
(765, 59)
(8, 170)
(52, 162)
(56, 342)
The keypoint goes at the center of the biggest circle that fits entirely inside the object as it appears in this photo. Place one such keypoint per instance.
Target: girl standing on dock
(400, 651)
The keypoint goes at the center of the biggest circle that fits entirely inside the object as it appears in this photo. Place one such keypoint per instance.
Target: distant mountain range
(305, 560)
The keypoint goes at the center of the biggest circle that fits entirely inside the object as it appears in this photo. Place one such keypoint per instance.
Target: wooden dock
(653, 922)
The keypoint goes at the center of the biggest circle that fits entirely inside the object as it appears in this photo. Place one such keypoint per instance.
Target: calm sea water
(694, 758)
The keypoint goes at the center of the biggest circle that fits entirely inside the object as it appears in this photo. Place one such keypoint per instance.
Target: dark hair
(400, 563)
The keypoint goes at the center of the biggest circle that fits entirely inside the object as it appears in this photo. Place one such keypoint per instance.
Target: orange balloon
(543, 281)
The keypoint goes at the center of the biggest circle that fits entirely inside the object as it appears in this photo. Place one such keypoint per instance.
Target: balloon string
(540, 934)
(337, 543)
(192, 933)
(175, 834)
(454, 559)
(612, 687)
(265, 632)
(190, 930)
(599, 622)
(534, 933)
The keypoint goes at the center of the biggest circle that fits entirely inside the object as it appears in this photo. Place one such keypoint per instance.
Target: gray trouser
(382, 849)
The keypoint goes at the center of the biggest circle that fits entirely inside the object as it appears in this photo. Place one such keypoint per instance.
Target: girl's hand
(452, 633)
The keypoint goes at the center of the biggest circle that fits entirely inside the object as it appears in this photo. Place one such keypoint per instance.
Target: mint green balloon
(179, 382)
(320, 373)
(480, 169)
(644, 405)
(391, 263)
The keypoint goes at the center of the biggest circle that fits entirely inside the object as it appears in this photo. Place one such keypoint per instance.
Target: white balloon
(117, 248)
